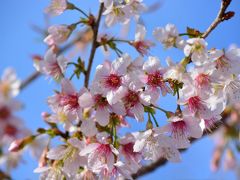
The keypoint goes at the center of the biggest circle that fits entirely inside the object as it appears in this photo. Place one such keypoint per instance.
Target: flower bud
(215, 162)
(149, 124)
(45, 115)
(228, 15)
(19, 144)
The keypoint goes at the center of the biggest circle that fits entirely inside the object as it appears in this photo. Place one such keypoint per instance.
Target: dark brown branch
(94, 45)
(222, 16)
(162, 161)
(5, 176)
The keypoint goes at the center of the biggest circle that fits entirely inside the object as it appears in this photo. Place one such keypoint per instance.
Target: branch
(37, 74)
(5, 176)
(29, 79)
(94, 45)
(162, 161)
(222, 16)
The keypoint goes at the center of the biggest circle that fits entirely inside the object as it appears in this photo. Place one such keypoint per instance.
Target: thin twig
(29, 79)
(162, 161)
(94, 45)
(222, 16)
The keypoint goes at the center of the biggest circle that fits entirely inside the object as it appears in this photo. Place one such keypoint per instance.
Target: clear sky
(19, 42)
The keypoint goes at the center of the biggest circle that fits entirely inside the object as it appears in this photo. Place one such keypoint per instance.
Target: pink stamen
(113, 81)
(10, 130)
(179, 129)
(100, 101)
(71, 101)
(155, 79)
(194, 104)
(142, 46)
(4, 113)
(131, 99)
(202, 80)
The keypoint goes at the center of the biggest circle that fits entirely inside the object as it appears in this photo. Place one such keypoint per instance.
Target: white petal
(62, 62)
(138, 111)
(88, 128)
(140, 32)
(89, 149)
(139, 145)
(119, 66)
(67, 87)
(119, 108)
(194, 129)
(102, 116)
(57, 153)
(50, 56)
(86, 100)
(114, 96)
(152, 64)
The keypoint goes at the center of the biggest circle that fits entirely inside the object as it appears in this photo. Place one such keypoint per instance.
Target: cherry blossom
(183, 128)
(153, 145)
(196, 48)
(70, 100)
(9, 84)
(52, 65)
(100, 154)
(57, 34)
(56, 7)
(169, 36)
(141, 45)
(154, 78)
(109, 79)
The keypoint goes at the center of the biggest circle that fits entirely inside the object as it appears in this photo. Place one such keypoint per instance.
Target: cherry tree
(87, 122)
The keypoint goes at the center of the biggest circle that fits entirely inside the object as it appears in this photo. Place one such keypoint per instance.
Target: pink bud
(16, 145)
(45, 115)
(19, 144)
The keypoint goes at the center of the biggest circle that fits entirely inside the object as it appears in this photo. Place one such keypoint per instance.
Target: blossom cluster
(11, 125)
(204, 82)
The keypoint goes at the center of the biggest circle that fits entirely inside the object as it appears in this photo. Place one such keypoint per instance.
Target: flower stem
(155, 120)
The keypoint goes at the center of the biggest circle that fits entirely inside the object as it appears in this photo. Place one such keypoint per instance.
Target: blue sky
(19, 42)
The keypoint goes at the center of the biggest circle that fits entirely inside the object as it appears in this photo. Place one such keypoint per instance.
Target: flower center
(10, 130)
(222, 62)
(202, 80)
(198, 47)
(113, 81)
(155, 79)
(118, 11)
(131, 99)
(128, 149)
(103, 152)
(100, 101)
(70, 101)
(179, 129)
(194, 104)
(170, 41)
(4, 113)
(142, 46)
